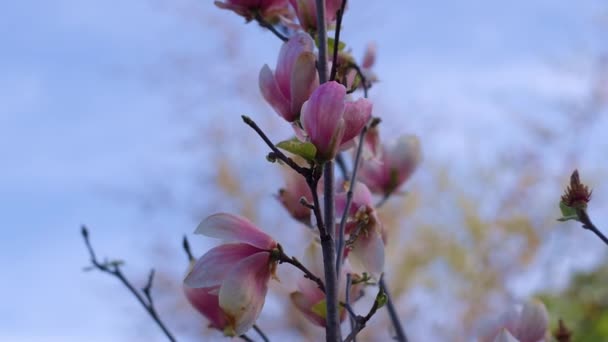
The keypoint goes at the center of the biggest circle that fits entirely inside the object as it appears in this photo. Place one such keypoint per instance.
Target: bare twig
(364, 83)
(186, 246)
(284, 258)
(587, 224)
(261, 333)
(113, 268)
(392, 312)
(270, 27)
(246, 338)
(351, 313)
(301, 170)
(349, 199)
(361, 321)
(334, 64)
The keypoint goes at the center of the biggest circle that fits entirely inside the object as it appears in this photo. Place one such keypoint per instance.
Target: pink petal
(331, 8)
(361, 197)
(369, 58)
(505, 336)
(404, 157)
(211, 269)
(273, 95)
(356, 116)
(234, 228)
(305, 304)
(533, 322)
(303, 80)
(322, 116)
(368, 253)
(290, 51)
(243, 292)
(208, 305)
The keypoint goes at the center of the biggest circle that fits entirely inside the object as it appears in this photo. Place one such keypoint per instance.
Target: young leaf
(568, 213)
(305, 150)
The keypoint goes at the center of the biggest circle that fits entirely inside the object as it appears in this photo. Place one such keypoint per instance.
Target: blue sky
(99, 98)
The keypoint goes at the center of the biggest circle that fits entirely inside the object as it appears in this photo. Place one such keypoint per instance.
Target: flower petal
(404, 156)
(305, 304)
(273, 95)
(211, 269)
(208, 305)
(243, 292)
(234, 228)
(356, 116)
(505, 336)
(290, 52)
(533, 322)
(367, 253)
(303, 80)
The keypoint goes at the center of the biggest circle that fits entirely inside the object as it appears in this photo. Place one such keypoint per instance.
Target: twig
(261, 333)
(334, 64)
(351, 313)
(349, 199)
(246, 338)
(284, 258)
(361, 321)
(301, 170)
(113, 268)
(392, 312)
(322, 39)
(364, 83)
(269, 26)
(186, 246)
(587, 224)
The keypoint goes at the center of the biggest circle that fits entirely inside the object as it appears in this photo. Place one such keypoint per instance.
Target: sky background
(101, 103)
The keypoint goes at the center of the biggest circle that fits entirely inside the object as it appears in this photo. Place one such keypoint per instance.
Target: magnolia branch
(361, 321)
(283, 258)
(334, 65)
(113, 268)
(270, 27)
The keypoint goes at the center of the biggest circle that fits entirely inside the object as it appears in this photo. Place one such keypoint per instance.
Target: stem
(283, 258)
(261, 333)
(329, 256)
(322, 38)
(392, 312)
(361, 321)
(351, 316)
(349, 199)
(334, 64)
(113, 268)
(587, 224)
(269, 26)
(301, 170)
(363, 79)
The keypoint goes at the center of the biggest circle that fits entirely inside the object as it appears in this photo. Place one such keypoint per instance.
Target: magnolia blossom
(526, 324)
(229, 283)
(385, 168)
(296, 188)
(367, 63)
(294, 78)
(330, 122)
(306, 11)
(269, 9)
(364, 230)
(309, 299)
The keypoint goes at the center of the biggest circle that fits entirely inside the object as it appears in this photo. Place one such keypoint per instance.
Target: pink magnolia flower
(366, 67)
(294, 78)
(391, 166)
(526, 324)
(332, 123)
(229, 283)
(269, 9)
(309, 299)
(306, 11)
(296, 188)
(364, 230)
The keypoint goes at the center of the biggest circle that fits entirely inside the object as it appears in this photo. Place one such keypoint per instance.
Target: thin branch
(342, 165)
(322, 39)
(334, 64)
(301, 170)
(364, 83)
(113, 268)
(392, 312)
(351, 313)
(284, 258)
(261, 333)
(270, 27)
(246, 338)
(587, 224)
(186, 246)
(361, 321)
(349, 199)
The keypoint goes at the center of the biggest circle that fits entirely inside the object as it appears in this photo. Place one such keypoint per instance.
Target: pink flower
(330, 122)
(528, 324)
(309, 299)
(293, 80)
(296, 188)
(369, 59)
(390, 166)
(234, 275)
(269, 9)
(307, 12)
(364, 231)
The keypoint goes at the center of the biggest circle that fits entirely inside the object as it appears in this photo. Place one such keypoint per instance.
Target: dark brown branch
(270, 27)
(334, 64)
(392, 312)
(361, 321)
(364, 83)
(351, 313)
(277, 153)
(113, 268)
(587, 224)
(186, 246)
(261, 333)
(284, 258)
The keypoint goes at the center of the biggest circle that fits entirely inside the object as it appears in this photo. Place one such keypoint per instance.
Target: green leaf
(320, 308)
(568, 213)
(331, 43)
(381, 299)
(305, 150)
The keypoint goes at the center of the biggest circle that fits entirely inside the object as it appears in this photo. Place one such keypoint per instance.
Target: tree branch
(113, 268)
(587, 224)
(361, 321)
(270, 27)
(284, 258)
(261, 333)
(334, 64)
(392, 312)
